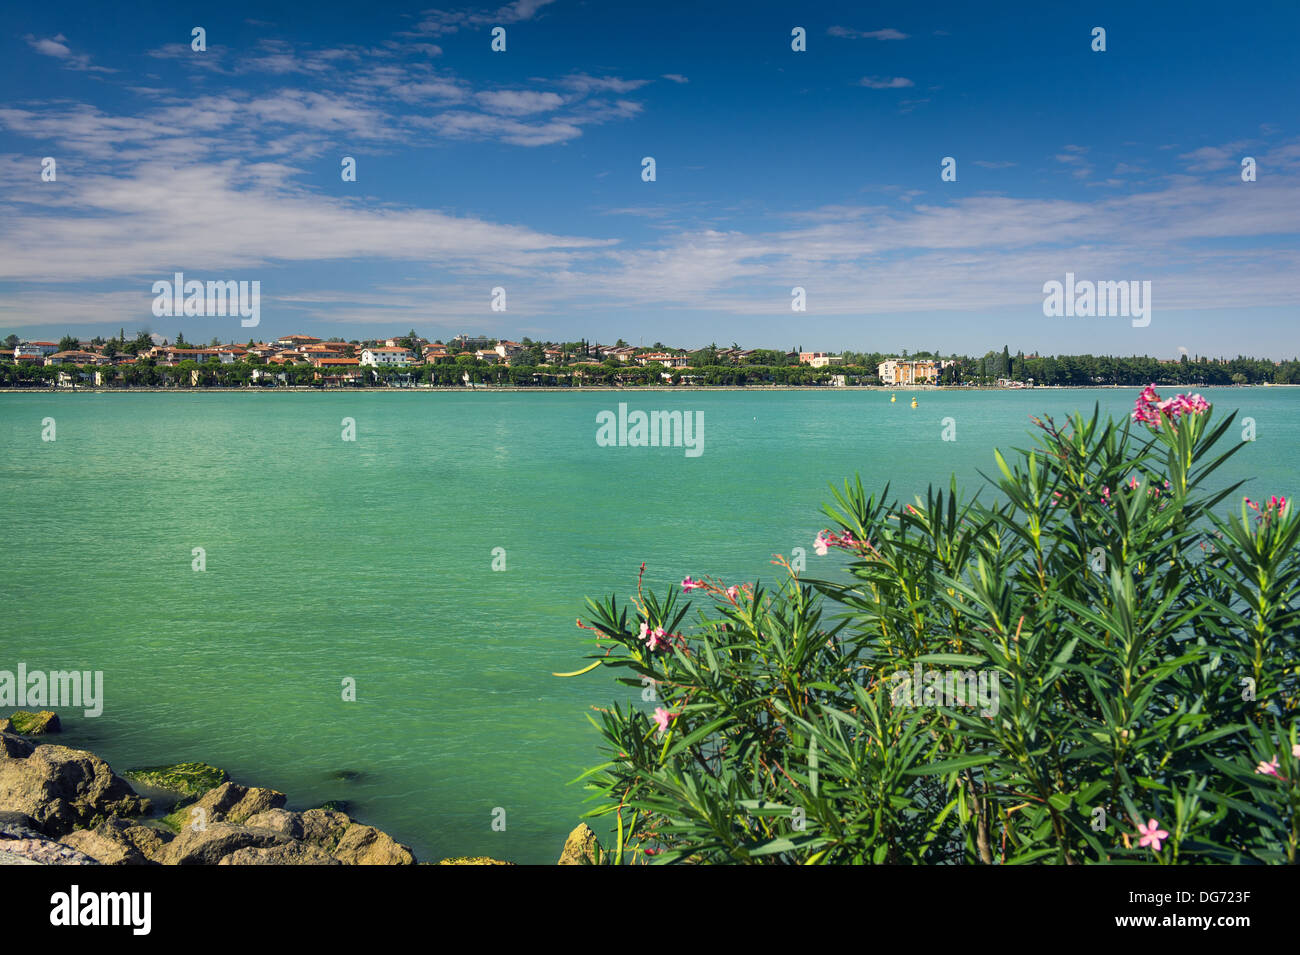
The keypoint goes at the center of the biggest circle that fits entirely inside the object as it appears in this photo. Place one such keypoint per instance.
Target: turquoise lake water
(373, 560)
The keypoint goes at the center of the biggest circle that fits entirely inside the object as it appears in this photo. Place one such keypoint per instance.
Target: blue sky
(775, 169)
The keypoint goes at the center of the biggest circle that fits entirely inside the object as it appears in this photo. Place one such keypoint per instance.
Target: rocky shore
(62, 806)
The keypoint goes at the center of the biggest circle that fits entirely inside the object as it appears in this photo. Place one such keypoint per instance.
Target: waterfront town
(298, 360)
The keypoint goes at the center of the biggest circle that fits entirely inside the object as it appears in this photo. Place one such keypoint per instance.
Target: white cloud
(889, 33)
(885, 83)
(57, 47)
(442, 22)
(520, 102)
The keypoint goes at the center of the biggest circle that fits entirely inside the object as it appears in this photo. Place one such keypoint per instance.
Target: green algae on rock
(187, 779)
(26, 723)
(473, 860)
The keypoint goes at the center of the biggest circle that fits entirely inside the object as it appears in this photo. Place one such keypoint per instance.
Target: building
(662, 358)
(73, 357)
(819, 359)
(35, 349)
(386, 357)
(900, 372)
(333, 362)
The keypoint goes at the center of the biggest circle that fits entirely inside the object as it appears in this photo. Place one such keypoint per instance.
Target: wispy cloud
(1075, 157)
(442, 22)
(885, 82)
(57, 47)
(1214, 158)
(888, 33)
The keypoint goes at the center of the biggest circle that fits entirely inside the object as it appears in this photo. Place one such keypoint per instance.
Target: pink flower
(1275, 506)
(827, 539)
(1152, 835)
(1295, 750)
(1268, 769)
(645, 630)
(662, 718)
(1151, 409)
(732, 592)
(657, 636)
(688, 585)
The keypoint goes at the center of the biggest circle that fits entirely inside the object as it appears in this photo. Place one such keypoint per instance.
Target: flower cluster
(1275, 506)
(1150, 409)
(1133, 485)
(654, 638)
(825, 539)
(732, 593)
(1271, 768)
(662, 718)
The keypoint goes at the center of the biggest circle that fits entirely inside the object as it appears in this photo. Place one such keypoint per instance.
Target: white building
(35, 349)
(386, 357)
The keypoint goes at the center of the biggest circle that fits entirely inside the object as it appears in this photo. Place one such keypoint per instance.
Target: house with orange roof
(663, 358)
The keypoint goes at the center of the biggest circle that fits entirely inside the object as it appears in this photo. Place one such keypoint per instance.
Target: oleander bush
(1092, 660)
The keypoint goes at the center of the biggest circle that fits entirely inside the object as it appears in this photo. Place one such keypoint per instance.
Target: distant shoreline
(523, 389)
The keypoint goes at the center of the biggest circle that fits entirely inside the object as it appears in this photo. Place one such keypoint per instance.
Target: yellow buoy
(913, 402)
(893, 398)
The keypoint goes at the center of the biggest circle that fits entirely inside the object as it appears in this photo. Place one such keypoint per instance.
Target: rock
(335, 805)
(366, 845)
(19, 825)
(292, 853)
(103, 848)
(14, 747)
(61, 788)
(26, 723)
(210, 845)
(323, 828)
(47, 852)
(9, 858)
(5, 725)
(473, 860)
(118, 842)
(229, 802)
(256, 800)
(581, 845)
(286, 823)
(150, 841)
(187, 779)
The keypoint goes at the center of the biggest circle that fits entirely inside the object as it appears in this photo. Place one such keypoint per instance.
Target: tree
(69, 343)
(11, 341)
